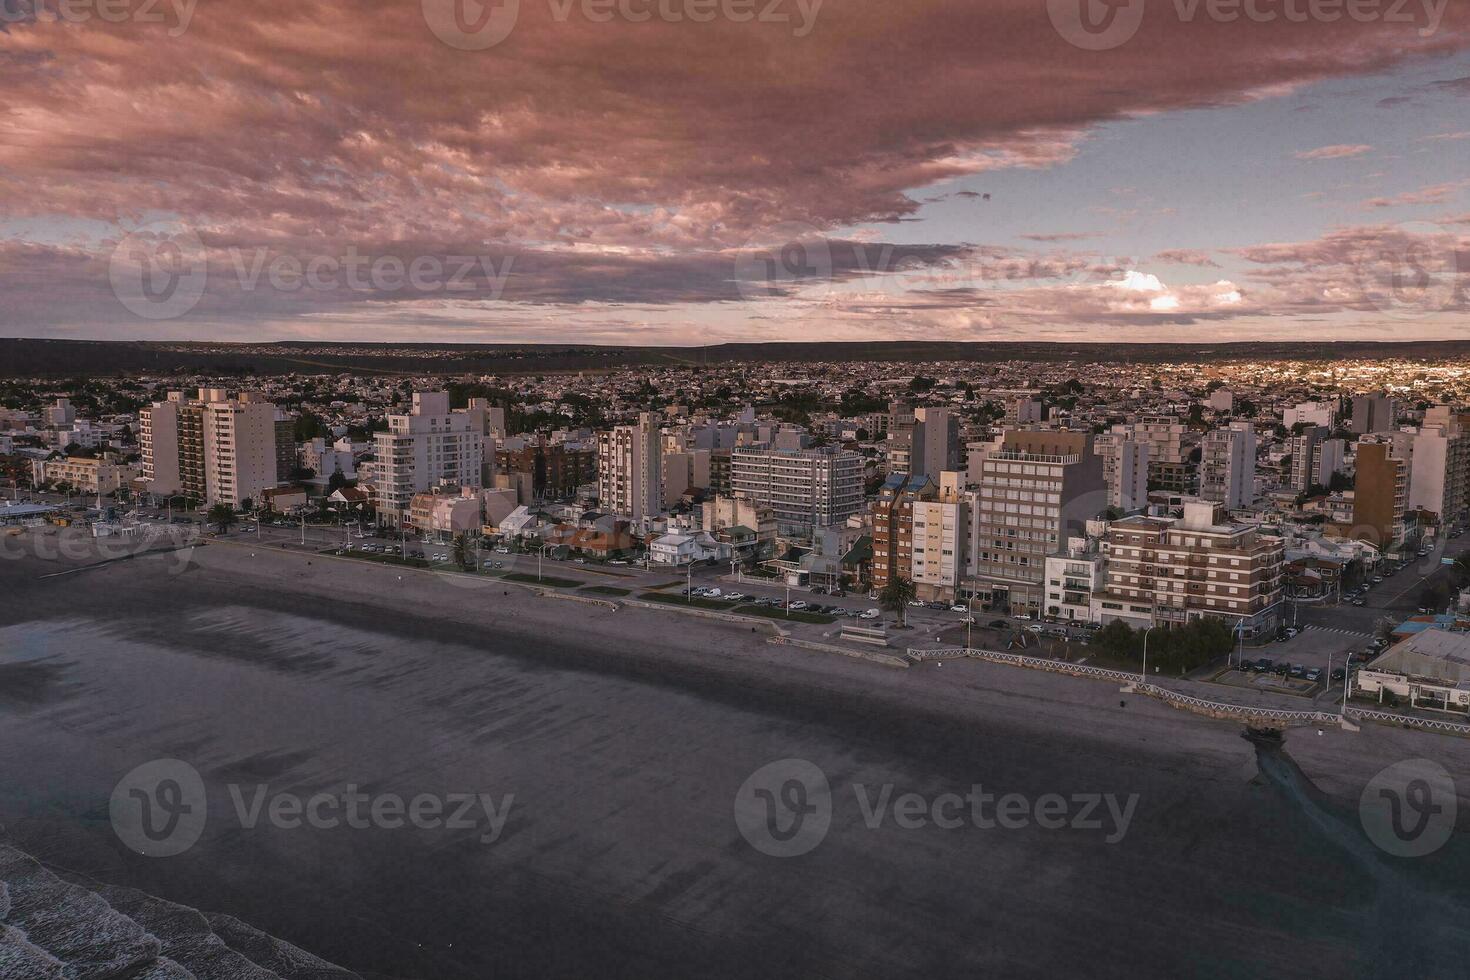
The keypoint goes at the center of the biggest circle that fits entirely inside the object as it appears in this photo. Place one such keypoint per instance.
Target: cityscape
(714, 489)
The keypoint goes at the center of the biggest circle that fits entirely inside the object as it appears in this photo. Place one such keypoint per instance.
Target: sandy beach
(621, 740)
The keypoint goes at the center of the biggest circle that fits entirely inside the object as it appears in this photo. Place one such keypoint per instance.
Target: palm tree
(896, 596)
(222, 516)
(462, 551)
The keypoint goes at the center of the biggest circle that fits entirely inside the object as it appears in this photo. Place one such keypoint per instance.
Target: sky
(690, 172)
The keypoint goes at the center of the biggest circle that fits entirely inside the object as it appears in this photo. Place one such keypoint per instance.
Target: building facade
(1163, 571)
(427, 447)
(805, 488)
(1033, 494)
(630, 470)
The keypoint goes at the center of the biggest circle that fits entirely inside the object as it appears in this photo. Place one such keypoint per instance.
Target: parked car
(796, 604)
(1297, 670)
(712, 593)
(618, 561)
(1283, 668)
(1338, 673)
(1358, 602)
(818, 590)
(870, 614)
(917, 602)
(735, 596)
(1314, 675)
(959, 607)
(839, 593)
(1264, 665)
(1376, 579)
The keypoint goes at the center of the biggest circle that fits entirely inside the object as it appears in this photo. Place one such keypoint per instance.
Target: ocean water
(620, 854)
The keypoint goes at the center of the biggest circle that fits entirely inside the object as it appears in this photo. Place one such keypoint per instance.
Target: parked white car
(870, 614)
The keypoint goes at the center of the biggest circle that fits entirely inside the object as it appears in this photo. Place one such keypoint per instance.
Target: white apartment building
(1310, 413)
(1164, 435)
(239, 449)
(804, 487)
(430, 446)
(940, 543)
(1227, 470)
(1072, 579)
(630, 470)
(1125, 467)
(82, 474)
(1440, 465)
(216, 449)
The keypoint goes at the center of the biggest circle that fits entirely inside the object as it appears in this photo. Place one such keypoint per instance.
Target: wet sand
(624, 737)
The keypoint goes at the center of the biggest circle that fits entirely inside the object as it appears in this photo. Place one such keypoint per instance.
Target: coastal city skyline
(954, 173)
(722, 489)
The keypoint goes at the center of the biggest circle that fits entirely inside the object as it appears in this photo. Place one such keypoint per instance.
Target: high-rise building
(1021, 412)
(893, 525)
(215, 449)
(429, 446)
(1439, 476)
(1381, 494)
(806, 488)
(936, 443)
(1125, 467)
(1035, 492)
(1328, 460)
(239, 449)
(1228, 466)
(1374, 413)
(1305, 449)
(286, 460)
(940, 540)
(1167, 467)
(60, 415)
(158, 437)
(552, 470)
(1309, 413)
(1164, 571)
(630, 469)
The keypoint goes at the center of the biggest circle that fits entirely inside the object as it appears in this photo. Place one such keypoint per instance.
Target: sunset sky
(936, 169)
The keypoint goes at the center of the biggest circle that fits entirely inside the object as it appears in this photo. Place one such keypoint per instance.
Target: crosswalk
(1338, 629)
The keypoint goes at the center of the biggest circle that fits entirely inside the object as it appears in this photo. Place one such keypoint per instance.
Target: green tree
(896, 596)
(462, 551)
(222, 516)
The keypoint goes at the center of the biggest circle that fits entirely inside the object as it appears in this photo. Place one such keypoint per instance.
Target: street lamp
(1347, 680)
(970, 619)
(1145, 652)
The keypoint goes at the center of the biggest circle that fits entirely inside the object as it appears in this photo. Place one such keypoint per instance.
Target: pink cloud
(1340, 152)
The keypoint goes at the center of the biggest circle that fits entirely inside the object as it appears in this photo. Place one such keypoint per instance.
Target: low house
(283, 500)
(681, 549)
(1430, 669)
(352, 498)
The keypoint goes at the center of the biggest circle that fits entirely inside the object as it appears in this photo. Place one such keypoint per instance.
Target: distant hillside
(62, 358)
